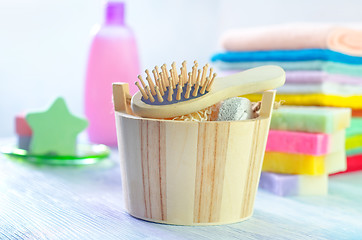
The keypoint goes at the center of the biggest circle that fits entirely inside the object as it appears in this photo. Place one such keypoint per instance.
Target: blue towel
(287, 55)
(290, 65)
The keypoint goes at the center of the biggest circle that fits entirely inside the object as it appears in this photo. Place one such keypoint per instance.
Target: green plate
(86, 154)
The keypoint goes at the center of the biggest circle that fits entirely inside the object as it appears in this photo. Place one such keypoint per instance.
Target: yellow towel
(354, 102)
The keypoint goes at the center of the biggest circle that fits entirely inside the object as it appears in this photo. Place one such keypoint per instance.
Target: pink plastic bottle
(113, 57)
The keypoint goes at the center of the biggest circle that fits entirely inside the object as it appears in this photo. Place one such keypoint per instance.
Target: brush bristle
(168, 88)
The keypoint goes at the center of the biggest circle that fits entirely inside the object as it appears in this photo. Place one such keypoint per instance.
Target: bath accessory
(294, 185)
(315, 144)
(51, 139)
(341, 38)
(190, 173)
(354, 101)
(325, 66)
(235, 109)
(287, 55)
(177, 100)
(310, 119)
(23, 132)
(305, 164)
(113, 56)
(86, 154)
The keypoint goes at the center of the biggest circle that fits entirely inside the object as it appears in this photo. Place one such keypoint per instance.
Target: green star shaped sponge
(55, 130)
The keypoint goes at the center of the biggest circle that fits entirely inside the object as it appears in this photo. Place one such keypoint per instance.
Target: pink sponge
(22, 127)
(316, 144)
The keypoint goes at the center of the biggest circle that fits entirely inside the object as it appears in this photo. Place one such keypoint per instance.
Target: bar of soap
(235, 109)
(22, 127)
(310, 119)
(357, 113)
(316, 144)
(55, 130)
(23, 132)
(354, 151)
(289, 163)
(354, 142)
(355, 127)
(294, 185)
(354, 163)
(24, 142)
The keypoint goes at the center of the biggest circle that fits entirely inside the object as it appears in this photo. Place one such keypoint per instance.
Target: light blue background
(44, 43)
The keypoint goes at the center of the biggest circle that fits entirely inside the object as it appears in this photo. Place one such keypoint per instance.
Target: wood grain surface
(150, 145)
(210, 171)
(43, 202)
(144, 144)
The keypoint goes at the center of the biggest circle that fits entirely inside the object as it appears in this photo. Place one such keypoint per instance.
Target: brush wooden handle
(250, 81)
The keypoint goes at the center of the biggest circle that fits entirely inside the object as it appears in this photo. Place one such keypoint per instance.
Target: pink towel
(346, 40)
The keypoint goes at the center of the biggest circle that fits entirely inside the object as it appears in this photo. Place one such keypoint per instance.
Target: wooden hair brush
(171, 95)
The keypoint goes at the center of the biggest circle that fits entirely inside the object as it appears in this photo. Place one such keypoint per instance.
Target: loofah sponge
(207, 114)
(234, 109)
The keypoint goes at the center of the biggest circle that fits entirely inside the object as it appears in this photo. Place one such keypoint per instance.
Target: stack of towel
(305, 144)
(323, 65)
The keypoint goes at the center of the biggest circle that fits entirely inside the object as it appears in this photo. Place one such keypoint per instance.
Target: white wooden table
(47, 202)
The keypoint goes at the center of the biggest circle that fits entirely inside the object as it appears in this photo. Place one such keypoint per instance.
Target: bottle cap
(115, 13)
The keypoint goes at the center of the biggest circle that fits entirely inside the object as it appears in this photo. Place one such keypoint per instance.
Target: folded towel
(311, 77)
(320, 77)
(291, 66)
(341, 68)
(327, 88)
(315, 99)
(314, 65)
(347, 40)
(287, 55)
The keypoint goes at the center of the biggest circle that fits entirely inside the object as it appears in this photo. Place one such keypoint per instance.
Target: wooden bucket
(190, 173)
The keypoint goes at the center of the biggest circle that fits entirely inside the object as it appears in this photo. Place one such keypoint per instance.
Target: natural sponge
(234, 109)
(207, 114)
